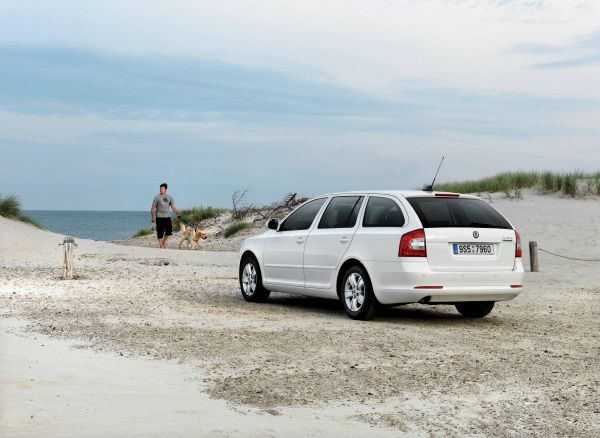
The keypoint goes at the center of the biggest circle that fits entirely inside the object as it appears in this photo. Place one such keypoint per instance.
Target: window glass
(341, 212)
(302, 218)
(437, 212)
(382, 212)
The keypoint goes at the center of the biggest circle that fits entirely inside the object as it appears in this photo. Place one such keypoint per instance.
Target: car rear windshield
(438, 212)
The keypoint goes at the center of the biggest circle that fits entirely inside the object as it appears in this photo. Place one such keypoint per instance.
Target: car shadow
(441, 314)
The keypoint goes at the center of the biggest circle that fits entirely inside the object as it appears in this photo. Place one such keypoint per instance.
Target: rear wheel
(356, 294)
(475, 309)
(251, 281)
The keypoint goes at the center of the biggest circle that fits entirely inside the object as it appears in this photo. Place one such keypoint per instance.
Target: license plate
(473, 248)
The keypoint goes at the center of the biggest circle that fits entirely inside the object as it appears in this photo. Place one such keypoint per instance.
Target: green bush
(10, 207)
(143, 232)
(234, 228)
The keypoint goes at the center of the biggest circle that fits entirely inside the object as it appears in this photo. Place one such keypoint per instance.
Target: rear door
(328, 242)
(465, 234)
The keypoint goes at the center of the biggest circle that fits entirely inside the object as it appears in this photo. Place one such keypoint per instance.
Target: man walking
(160, 205)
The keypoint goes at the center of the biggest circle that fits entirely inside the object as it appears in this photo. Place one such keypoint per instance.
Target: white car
(386, 248)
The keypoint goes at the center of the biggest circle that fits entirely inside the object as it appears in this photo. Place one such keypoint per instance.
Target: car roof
(396, 193)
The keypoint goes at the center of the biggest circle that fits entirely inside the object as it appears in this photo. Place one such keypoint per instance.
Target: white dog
(191, 236)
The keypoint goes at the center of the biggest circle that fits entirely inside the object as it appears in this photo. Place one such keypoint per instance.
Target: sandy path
(530, 368)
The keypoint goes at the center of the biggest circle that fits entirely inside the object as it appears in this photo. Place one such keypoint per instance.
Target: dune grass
(10, 207)
(234, 227)
(569, 183)
(197, 214)
(143, 232)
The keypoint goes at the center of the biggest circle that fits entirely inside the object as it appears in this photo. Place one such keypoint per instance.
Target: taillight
(518, 249)
(413, 244)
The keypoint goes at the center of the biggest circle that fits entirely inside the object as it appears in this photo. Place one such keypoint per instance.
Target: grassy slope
(571, 183)
(10, 207)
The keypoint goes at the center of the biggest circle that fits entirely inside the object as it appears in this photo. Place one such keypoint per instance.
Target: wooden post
(533, 257)
(69, 246)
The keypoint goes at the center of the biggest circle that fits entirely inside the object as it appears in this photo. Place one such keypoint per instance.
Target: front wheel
(475, 309)
(356, 294)
(251, 281)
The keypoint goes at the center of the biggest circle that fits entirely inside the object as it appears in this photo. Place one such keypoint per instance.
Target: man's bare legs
(162, 243)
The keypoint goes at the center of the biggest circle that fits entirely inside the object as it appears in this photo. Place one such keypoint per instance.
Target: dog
(191, 236)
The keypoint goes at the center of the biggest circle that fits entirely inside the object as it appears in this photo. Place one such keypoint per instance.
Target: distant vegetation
(234, 228)
(195, 215)
(569, 184)
(10, 207)
(143, 232)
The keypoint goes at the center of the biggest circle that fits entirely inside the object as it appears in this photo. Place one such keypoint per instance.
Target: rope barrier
(567, 257)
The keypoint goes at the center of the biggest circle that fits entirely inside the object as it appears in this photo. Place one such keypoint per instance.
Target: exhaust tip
(425, 300)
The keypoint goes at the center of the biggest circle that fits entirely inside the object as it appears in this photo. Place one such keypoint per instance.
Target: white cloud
(369, 45)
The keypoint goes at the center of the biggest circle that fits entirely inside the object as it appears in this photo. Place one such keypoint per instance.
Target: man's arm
(175, 209)
(152, 209)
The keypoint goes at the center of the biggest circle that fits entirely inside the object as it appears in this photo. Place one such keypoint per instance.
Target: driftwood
(240, 210)
(280, 208)
(69, 247)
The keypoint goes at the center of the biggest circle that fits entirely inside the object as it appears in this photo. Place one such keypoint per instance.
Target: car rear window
(382, 212)
(437, 212)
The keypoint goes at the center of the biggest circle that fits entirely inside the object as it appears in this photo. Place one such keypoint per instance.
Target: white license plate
(473, 248)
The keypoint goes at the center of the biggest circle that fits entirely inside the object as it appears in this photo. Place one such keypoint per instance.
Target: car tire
(475, 309)
(250, 279)
(356, 294)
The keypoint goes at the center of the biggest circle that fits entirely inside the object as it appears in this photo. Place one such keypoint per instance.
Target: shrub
(10, 207)
(234, 228)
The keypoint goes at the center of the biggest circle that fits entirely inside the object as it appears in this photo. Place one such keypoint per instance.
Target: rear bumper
(402, 282)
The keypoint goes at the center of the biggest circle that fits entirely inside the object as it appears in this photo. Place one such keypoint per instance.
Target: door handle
(345, 239)
(300, 240)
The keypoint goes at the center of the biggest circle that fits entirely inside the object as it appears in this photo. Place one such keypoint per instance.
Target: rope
(567, 257)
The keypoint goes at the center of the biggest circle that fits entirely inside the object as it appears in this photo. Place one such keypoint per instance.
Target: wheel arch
(342, 269)
(248, 253)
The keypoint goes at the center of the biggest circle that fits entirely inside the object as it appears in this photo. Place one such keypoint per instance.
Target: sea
(95, 225)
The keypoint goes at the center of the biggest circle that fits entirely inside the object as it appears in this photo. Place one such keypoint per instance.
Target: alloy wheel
(354, 292)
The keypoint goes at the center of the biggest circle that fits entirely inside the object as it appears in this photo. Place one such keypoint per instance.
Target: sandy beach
(149, 342)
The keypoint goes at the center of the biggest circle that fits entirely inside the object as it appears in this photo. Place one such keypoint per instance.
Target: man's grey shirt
(162, 204)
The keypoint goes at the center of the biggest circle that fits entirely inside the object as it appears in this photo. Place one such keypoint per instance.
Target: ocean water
(95, 225)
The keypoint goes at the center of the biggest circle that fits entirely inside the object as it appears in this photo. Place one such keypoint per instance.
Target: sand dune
(150, 342)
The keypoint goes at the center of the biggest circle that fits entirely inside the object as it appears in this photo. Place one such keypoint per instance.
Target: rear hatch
(465, 234)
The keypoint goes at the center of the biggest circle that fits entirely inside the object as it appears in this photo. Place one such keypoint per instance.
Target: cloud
(580, 51)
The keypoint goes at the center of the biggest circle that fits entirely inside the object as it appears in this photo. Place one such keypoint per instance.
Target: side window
(382, 212)
(302, 218)
(341, 212)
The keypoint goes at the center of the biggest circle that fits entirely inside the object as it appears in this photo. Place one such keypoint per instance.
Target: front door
(284, 251)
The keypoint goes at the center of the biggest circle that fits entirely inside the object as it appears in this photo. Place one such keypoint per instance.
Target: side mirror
(273, 224)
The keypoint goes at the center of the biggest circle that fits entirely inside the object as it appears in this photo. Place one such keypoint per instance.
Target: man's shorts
(163, 226)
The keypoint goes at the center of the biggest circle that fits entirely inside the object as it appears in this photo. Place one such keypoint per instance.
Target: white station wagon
(386, 248)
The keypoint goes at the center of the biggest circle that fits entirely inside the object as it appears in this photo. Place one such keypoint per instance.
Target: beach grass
(10, 207)
(143, 232)
(196, 215)
(233, 228)
(568, 183)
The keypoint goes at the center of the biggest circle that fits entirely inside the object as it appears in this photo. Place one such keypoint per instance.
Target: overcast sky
(102, 101)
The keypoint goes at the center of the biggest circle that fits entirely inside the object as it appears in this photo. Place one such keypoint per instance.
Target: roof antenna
(430, 188)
